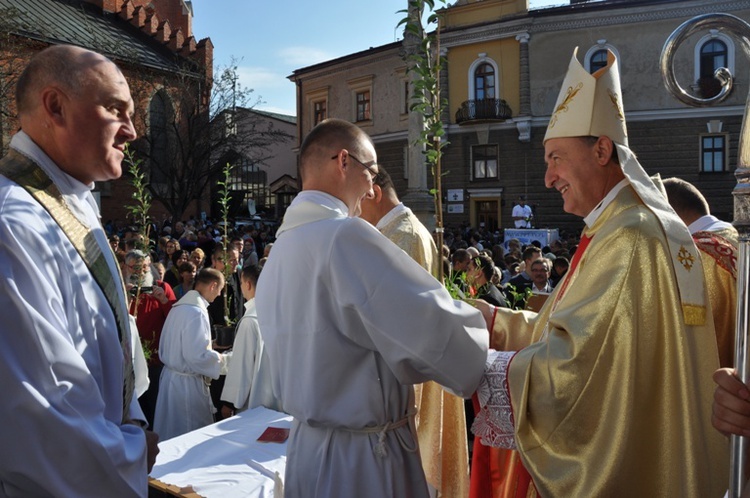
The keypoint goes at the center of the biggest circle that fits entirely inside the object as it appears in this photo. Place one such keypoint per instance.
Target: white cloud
(297, 57)
(272, 91)
(259, 77)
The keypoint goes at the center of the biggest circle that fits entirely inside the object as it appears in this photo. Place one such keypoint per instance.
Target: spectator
(187, 279)
(150, 304)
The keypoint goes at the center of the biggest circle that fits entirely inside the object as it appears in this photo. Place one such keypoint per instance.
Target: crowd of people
(605, 389)
(160, 276)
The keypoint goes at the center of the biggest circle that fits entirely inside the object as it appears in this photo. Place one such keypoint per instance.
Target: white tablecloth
(225, 460)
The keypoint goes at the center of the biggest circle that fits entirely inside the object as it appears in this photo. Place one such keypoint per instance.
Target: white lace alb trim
(494, 422)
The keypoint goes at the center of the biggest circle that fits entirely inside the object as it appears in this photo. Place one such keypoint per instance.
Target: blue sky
(271, 39)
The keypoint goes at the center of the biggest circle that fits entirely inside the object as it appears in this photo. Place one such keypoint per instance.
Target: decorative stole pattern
(34, 180)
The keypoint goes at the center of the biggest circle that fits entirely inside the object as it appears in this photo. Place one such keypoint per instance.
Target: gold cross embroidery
(685, 258)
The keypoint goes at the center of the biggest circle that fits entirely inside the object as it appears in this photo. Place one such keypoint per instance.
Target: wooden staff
(741, 30)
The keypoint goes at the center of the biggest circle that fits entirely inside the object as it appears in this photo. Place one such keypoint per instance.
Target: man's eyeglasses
(373, 174)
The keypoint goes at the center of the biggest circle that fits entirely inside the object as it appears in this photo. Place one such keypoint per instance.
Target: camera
(144, 290)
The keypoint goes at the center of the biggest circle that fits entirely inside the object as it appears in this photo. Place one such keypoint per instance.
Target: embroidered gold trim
(563, 107)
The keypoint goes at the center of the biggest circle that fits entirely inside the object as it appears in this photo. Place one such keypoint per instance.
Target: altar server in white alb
(68, 420)
(248, 383)
(350, 322)
(184, 403)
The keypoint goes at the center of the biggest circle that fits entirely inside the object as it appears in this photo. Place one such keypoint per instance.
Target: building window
(484, 79)
(484, 159)
(361, 89)
(713, 153)
(713, 51)
(250, 183)
(363, 105)
(713, 56)
(484, 82)
(598, 60)
(159, 113)
(319, 111)
(597, 56)
(316, 107)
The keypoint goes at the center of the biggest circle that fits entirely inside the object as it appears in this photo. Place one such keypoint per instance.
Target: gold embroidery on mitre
(685, 258)
(616, 103)
(563, 107)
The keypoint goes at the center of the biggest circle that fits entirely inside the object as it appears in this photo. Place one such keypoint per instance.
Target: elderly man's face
(98, 125)
(540, 274)
(574, 171)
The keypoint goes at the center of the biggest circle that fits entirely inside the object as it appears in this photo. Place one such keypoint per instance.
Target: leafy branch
(425, 62)
(141, 197)
(139, 211)
(517, 300)
(224, 201)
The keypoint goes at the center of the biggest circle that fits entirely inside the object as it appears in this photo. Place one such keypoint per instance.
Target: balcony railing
(483, 110)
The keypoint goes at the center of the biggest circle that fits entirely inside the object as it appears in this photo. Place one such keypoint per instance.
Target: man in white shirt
(350, 323)
(69, 417)
(184, 402)
(522, 214)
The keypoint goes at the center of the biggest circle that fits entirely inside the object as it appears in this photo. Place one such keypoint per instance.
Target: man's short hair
(461, 256)
(486, 264)
(684, 197)
(542, 261)
(529, 252)
(383, 180)
(250, 273)
(208, 276)
(561, 262)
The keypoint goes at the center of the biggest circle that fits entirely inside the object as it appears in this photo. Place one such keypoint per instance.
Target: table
(224, 460)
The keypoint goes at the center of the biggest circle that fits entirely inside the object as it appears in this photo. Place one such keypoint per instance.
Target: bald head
(327, 138)
(76, 106)
(71, 68)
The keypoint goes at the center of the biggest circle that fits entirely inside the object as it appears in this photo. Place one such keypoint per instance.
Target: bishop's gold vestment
(441, 419)
(613, 396)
